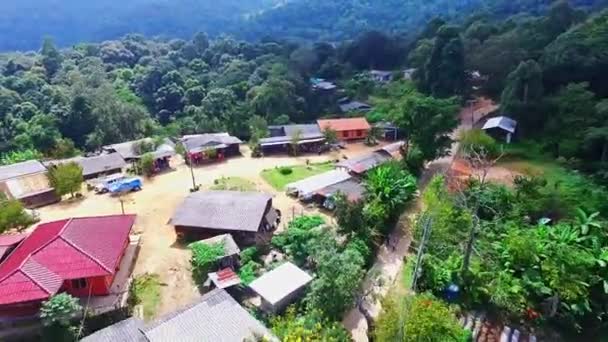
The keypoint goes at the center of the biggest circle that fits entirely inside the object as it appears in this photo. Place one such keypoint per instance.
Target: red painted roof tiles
(347, 124)
(63, 250)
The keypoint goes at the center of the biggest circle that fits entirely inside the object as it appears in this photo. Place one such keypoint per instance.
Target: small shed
(321, 84)
(231, 250)
(281, 286)
(248, 216)
(501, 127)
(27, 182)
(352, 189)
(408, 74)
(306, 188)
(393, 150)
(390, 131)
(224, 278)
(347, 128)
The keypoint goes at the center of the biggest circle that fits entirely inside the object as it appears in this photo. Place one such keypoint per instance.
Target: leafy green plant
(14, 216)
(203, 258)
(57, 315)
(66, 178)
(145, 291)
(146, 164)
(285, 170)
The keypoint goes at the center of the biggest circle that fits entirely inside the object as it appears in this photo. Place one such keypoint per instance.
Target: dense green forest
(540, 253)
(24, 22)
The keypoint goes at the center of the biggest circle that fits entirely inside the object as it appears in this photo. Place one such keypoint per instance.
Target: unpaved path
(156, 202)
(389, 261)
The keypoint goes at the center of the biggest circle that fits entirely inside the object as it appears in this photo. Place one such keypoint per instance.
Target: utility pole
(188, 159)
(427, 222)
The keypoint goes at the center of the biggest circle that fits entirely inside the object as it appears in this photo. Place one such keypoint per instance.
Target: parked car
(105, 183)
(126, 185)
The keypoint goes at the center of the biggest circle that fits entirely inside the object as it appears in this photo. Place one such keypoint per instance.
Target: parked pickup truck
(126, 185)
(103, 185)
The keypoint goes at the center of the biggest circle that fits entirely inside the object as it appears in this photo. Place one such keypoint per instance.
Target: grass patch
(407, 273)
(233, 184)
(278, 180)
(145, 291)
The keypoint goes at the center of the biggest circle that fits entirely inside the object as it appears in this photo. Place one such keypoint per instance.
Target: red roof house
(348, 128)
(79, 256)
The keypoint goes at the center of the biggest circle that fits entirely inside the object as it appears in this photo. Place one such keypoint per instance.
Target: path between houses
(382, 275)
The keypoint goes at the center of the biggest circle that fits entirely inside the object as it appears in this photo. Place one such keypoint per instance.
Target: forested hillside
(23, 24)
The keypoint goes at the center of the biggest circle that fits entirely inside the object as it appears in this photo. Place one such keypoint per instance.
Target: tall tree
(51, 57)
(443, 74)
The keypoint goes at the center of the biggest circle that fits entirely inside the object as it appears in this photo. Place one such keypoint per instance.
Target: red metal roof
(63, 250)
(11, 239)
(347, 124)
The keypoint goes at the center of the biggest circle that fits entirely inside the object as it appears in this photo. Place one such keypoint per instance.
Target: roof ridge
(18, 267)
(82, 251)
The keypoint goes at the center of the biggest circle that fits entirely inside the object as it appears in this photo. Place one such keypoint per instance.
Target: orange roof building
(347, 128)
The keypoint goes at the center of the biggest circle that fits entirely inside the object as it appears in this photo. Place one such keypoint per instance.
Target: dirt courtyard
(156, 202)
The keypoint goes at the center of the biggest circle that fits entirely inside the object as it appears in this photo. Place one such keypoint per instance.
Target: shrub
(476, 141)
(12, 215)
(146, 164)
(203, 257)
(66, 178)
(285, 171)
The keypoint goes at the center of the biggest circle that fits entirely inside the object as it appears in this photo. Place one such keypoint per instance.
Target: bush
(12, 215)
(66, 178)
(285, 171)
(203, 257)
(146, 164)
(476, 141)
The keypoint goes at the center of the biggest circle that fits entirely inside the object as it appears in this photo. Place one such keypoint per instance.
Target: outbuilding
(358, 166)
(347, 128)
(248, 216)
(132, 151)
(381, 76)
(280, 286)
(27, 182)
(501, 127)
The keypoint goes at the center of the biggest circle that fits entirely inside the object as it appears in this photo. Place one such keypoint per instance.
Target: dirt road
(156, 202)
(389, 261)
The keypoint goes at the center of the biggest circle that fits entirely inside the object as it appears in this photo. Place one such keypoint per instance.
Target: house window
(79, 283)
(345, 134)
(359, 133)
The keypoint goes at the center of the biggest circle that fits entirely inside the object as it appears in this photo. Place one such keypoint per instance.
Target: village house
(216, 317)
(309, 138)
(201, 148)
(501, 128)
(248, 216)
(280, 286)
(352, 189)
(390, 131)
(347, 128)
(80, 256)
(132, 151)
(95, 166)
(320, 84)
(27, 182)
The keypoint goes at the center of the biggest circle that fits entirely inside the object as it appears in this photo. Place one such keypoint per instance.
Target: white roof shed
(278, 286)
(502, 122)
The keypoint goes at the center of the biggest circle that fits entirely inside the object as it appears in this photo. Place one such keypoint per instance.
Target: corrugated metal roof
(230, 247)
(222, 210)
(354, 105)
(21, 169)
(66, 249)
(307, 187)
(346, 124)
(128, 330)
(364, 163)
(502, 122)
(96, 164)
(128, 149)
(198, 142)
(216, 317)
(352, 189)
(280, 282)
